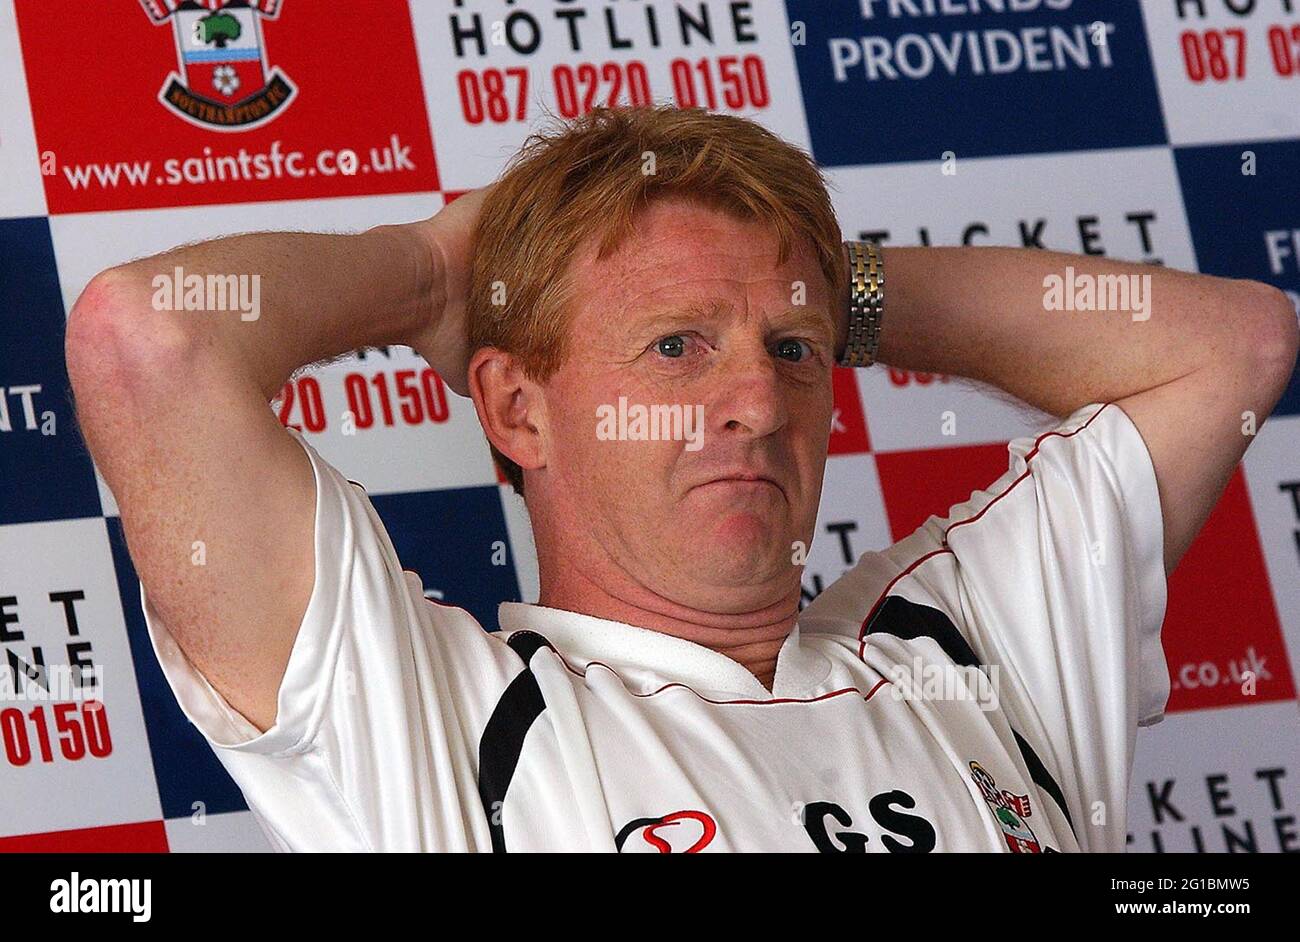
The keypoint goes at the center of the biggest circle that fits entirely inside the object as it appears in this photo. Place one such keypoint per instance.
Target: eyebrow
(805, 318)
(669, 317)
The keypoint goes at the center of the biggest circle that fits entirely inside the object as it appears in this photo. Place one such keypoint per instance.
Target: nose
(751, 401)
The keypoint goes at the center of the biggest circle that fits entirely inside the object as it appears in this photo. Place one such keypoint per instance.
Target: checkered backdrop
(1165, 131)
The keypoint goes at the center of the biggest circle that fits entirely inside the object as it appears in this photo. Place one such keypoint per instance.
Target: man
(974, 687)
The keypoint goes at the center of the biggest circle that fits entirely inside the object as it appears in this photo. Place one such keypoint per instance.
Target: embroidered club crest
(1009, 810)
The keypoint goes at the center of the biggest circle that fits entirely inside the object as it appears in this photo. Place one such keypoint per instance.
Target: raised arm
(1197, 362)
(175, 408)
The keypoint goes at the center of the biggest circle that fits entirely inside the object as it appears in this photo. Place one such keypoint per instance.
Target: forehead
(679, 249)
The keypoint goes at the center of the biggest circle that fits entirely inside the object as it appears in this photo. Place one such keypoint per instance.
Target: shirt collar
(647, 660)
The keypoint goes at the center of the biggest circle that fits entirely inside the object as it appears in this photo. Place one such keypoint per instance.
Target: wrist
(419, 261)
(442, 276)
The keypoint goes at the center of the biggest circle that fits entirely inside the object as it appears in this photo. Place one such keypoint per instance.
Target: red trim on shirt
(862, 631)
(1032, 452)
(826, 696)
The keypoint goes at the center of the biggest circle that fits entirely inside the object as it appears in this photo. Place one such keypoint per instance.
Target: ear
(510, 407)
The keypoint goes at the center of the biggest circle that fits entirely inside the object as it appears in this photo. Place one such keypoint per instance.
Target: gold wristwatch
(866, 303)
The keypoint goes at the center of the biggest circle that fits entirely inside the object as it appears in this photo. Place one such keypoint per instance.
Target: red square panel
(139, 105)
(1222, 620)
(917, 484)
(142, 837)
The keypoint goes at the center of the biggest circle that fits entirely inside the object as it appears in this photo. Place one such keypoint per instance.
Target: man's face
(692, 311)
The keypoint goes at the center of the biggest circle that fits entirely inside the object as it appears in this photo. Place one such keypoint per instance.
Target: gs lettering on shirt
(917, 830)
(818, 819)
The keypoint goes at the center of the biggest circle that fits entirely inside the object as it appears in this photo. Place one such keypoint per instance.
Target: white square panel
(69, 767)
(907, 413)
(1225, 76)
(1200, 777)
(21, 192)
(493, 71)
(1125, 204)
(87, 243)
(420, 435)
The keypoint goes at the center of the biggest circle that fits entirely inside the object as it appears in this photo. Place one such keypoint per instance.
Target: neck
(752, 637)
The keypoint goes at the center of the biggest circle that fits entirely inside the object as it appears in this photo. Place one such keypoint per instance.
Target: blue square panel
(45, 470)
(1243, 209)
(456, 541)
(888, 81)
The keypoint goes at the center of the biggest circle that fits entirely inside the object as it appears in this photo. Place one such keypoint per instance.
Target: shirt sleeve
(381, 707)
(1055, 575)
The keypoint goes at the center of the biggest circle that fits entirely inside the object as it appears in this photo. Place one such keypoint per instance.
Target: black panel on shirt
(503, 737)
(908, 621)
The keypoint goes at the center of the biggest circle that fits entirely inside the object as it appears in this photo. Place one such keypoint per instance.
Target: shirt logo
(671, 833)
(1009, 810)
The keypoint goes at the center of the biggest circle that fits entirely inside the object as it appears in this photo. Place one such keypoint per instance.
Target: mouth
(743, 480)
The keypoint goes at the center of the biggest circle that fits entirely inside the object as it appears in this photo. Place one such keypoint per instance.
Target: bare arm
(175, 408)
(1210, 354)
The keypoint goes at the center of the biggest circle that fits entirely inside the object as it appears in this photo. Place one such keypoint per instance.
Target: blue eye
(793, 350)
(673, 346)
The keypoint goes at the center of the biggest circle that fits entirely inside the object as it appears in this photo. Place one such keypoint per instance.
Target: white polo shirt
(974, 687)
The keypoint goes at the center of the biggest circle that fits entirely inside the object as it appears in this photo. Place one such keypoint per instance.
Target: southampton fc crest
(1009, 810)
(224, 82)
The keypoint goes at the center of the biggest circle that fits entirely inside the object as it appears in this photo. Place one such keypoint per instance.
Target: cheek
(573, 436)
(587, 449)
(812, 409)
(811, 431)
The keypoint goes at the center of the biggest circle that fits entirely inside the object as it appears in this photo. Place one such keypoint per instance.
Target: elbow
(116, 343)
(1272, 341)
(1279, 342)
(89, 343)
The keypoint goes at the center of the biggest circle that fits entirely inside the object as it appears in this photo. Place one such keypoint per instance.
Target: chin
(748, 534)
(740, 557)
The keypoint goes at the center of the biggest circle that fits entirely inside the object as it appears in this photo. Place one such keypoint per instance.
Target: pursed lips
(741, 476)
